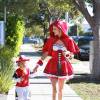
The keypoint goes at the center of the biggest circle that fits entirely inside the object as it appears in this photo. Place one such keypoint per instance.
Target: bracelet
(67, 55)
(40, 62)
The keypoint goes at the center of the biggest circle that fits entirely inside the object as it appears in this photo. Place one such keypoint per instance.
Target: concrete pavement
(40, 86)
(41, 90)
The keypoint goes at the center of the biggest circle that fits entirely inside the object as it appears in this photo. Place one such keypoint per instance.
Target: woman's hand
(68, 54)
(71, 55)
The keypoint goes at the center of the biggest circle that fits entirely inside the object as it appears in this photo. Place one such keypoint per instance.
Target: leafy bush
(6, 69)
(15, 32)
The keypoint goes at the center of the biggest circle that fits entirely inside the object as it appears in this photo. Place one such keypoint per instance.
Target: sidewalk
(40, 86)
(41, 90)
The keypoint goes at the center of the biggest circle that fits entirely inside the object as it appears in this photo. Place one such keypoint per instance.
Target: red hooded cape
(51, 67)
(69, 42)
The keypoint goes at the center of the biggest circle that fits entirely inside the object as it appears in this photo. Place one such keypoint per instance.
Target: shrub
(6, 69)
(14, 33)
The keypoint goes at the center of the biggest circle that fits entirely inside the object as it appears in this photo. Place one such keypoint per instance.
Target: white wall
(2, 35)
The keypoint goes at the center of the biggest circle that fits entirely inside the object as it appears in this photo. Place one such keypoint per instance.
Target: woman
(60, 47)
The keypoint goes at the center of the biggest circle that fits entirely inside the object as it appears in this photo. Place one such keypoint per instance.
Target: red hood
(60, 24)
(69, 43)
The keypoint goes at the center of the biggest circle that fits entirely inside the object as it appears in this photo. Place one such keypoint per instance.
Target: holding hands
(35, 69)
(39, 63)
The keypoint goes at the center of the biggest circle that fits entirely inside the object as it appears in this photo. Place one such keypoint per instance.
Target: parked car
(84, 45)
(33, 40)
(38, 42)
(75, 38)
(25, 39)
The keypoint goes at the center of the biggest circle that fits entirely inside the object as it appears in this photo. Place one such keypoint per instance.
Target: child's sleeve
(16, 78)
(15, 75)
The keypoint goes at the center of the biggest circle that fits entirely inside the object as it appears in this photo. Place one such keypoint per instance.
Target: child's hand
(22, 78)
(35, 69)
(17, 80)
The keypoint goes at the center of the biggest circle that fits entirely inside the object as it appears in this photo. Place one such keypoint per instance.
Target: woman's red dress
(51, 68)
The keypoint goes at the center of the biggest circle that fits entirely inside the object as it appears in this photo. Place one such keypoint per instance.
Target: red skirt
(51, 68)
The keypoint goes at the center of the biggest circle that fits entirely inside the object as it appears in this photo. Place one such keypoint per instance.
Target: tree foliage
(35, 30)
(39, 11)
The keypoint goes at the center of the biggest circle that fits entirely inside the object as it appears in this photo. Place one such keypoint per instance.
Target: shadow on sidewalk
(86, 78)
(37, 53)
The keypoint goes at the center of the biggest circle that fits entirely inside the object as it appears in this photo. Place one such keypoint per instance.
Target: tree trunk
(96, 45)
(94, 22)
(96, 60)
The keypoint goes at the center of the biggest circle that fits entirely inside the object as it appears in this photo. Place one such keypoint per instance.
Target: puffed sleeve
(48, 46)
(72, 46)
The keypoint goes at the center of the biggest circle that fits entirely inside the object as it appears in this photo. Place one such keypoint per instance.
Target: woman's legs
(60, 87)
(54, 90)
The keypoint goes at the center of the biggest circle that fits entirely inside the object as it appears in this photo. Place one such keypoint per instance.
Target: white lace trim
(67, 77)
(57, 47)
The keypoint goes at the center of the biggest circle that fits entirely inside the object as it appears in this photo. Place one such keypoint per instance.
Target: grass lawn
(86, 88)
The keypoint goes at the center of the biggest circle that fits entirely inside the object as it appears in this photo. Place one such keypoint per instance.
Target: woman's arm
(40, 61)
(44, 55)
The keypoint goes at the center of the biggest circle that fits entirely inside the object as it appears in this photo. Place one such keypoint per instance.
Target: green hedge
(14, 33)
(6, 69)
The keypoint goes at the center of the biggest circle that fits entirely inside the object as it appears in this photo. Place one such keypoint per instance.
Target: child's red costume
(21, 76)
(51, 68)
(24, 76)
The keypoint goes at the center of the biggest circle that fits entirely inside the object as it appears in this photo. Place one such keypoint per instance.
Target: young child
(21, 76)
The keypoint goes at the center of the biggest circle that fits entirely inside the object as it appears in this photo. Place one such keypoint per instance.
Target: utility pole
(5, 12)
(4, 25)
(66, 17)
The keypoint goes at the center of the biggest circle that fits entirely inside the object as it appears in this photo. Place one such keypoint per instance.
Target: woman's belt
(59, 62)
